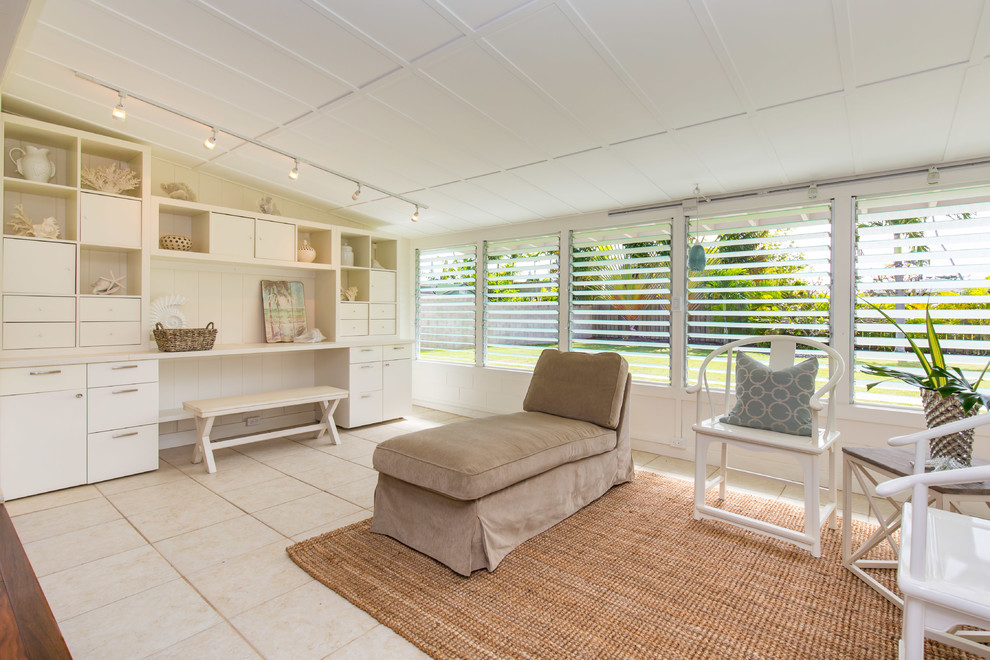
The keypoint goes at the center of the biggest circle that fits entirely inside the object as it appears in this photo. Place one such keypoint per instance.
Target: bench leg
(327, 421)
(202, 447)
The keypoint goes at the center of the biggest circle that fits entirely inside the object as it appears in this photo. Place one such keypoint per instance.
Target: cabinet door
(122, 452)
(382, 286)
(106, 220)
(275, 240)
(42, 442)
(231, 235)
(38, 266)
(396, 388)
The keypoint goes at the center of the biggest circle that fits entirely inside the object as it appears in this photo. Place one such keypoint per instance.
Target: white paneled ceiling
(502, 111)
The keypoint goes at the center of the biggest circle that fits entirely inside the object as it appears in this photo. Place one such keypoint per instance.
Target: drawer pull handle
(124, 366)
(46, 373)
(367, 366)
(367, 350)
(79, 396)
(128, 391)
(124, 435)
(365, 396)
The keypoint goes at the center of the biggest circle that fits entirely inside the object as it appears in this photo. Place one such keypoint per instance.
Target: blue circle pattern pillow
(773, 400)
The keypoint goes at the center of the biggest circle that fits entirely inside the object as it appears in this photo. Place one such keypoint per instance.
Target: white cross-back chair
(944, 564)
(717, 396)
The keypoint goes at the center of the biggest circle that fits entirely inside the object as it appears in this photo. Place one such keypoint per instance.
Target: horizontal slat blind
(620, 296)
(911, 252)
(445, 304)
(521, 300)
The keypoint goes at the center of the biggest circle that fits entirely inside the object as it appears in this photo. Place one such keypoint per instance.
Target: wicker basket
(185, 339)
(175, 242)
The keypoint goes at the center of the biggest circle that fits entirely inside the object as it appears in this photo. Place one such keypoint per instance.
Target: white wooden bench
(207, 410)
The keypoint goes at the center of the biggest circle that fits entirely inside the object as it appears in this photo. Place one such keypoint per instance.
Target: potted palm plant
(946, 394)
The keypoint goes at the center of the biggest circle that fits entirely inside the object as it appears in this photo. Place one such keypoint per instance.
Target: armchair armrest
(944, 429)
(940, 478)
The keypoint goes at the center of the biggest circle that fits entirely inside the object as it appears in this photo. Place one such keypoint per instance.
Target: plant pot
(956, 448)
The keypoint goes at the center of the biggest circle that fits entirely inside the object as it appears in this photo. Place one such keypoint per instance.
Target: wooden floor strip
(27, 626)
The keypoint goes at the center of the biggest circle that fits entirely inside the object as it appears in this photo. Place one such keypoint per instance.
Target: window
(912, 250)
(521, 302)
(445, 304)
(620, 296)
(766, 273)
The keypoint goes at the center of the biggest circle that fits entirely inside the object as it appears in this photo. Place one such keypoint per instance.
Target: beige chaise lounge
(467, 493)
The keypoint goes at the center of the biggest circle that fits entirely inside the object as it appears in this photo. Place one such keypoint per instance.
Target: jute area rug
(632, 575)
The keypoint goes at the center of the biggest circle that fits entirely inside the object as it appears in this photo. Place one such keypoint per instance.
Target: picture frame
(284, 305)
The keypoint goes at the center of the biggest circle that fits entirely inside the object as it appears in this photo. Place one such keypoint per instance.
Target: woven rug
(632, 575)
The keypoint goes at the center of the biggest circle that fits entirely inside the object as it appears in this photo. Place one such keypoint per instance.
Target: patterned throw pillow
(773, 400)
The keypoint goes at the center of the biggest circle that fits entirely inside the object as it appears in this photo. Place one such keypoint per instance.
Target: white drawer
(396, 351)
(113, 333)
(364, 408)
(106, 220)
(39, 266)
(382, 327)
(121, 406)
(109, 308)
(28, 380)
(354, 311)
(121, 373)
(353, 328)
(364, 354)
(365, 377)
(117, 453)
(380, 311)
(39, 335)
(39, 308)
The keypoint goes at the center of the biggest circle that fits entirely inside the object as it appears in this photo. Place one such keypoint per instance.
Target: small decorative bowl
(175, 242)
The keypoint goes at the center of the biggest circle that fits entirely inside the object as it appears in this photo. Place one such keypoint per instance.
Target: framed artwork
(285, 310)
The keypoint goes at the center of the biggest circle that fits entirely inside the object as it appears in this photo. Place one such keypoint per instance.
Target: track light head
(118, 111)
(813, 191)
(933, 175)
(211, 142)
(357, 193)
(294, 172)
(415, 215)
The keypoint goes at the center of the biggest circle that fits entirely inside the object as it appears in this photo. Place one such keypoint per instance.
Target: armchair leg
(812, 513)
(832, 489)
(700, 473)
(913, 631)
(723, 471)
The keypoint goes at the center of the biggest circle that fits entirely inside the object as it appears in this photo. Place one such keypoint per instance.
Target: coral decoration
(110, 179)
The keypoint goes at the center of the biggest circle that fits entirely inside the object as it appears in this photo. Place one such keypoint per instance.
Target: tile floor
(178, 563)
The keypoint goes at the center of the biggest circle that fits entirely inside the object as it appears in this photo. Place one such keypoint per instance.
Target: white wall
(662, 413)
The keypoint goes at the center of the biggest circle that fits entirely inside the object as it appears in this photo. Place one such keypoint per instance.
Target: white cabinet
(275, 240)
(382, 286)
(396, 388)
(42, 430)
(122, 419)
(109, 320)
(377, 378)
(232, 235)
(38, 266)
(109, 220)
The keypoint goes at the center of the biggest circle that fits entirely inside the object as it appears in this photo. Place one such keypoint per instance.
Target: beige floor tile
(242, 582)
(379, 642)
(337, 473)
(133, 502)
(320, 620)
(50, 500)
(275, 447)
(221, 642)
(297, 461)
(164, 474)
(236, 477)
(378, 432)
(350, 447)
(754, 485)
(225, 459)
(306, 513)
(64, 519)
(177, 456)
(184, 517)
(57, 553)
(361, 492)
(269, 493)
(135, 627)
(364, 461)
(641, 458)
(335, 524)
(199, 549)
(97, 583)
(671, 467)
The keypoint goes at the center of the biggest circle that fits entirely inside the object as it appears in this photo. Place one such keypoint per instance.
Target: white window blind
(912, 251)
(620, 296)
(521, 300)
(445, 304)
(768, 272)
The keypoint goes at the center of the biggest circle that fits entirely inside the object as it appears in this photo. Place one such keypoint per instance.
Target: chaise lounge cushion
(470, 459)
(586, 386)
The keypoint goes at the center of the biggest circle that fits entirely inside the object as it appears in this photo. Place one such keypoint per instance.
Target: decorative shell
(267, 205)
(349, 294)
(165, 310)
(175, 242)
(110, 178)
(109, 285)
(179, 190)
(21, 225)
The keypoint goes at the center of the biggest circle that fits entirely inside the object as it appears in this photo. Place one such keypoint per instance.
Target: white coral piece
(110, 178)
(179, 190)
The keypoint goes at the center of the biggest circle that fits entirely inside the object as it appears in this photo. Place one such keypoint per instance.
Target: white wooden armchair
(797, 433)
(944, 564)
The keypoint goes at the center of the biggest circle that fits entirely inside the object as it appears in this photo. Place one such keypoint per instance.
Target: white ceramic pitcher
(33, 163)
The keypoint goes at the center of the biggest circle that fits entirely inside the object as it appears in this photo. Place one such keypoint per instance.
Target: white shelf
(204, 258)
